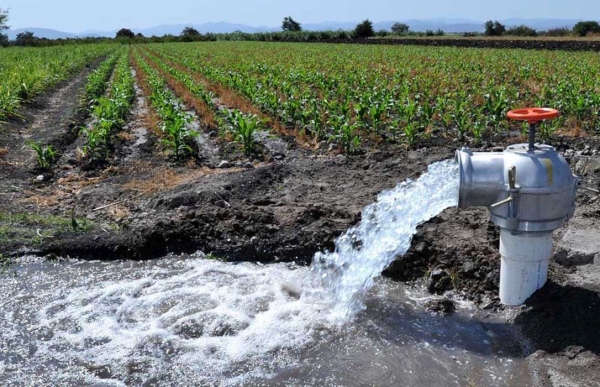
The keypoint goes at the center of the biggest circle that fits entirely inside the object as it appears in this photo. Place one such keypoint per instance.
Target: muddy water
(184, 321)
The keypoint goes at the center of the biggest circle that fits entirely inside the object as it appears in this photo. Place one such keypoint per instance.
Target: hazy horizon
(76, 16)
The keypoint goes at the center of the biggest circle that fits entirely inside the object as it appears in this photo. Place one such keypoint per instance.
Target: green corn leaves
(174, 121)
(109, 111)
(26, 72)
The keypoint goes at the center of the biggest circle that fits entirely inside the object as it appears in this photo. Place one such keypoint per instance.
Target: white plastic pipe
(524, 267)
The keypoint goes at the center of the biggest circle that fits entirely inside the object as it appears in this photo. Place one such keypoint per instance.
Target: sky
(83, 15)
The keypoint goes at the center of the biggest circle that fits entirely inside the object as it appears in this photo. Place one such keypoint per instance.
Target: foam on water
(208, 321)
(385, 232)
(198, 321)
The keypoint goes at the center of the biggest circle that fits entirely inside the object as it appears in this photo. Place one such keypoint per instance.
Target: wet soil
(53, 118)
(284, 207)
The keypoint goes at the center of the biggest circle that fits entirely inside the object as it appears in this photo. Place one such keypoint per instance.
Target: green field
(346, 95)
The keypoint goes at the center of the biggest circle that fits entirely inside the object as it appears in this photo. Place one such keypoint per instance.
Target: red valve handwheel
(532, 115)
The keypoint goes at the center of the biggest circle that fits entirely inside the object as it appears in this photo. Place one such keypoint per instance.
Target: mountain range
(447, 25)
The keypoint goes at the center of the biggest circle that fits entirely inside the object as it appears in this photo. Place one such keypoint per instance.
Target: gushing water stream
(385, 232)
(184, 321)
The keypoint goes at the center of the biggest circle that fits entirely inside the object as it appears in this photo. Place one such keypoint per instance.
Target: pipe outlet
(524, 266)
(530, 192)
(481, 178)
(526, 190)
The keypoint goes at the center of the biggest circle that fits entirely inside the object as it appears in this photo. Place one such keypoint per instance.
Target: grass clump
(34, 229)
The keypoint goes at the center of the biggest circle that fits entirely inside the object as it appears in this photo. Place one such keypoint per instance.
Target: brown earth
(285, 206)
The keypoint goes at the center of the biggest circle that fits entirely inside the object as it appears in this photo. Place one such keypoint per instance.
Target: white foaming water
(197, 321)
(385, 232)
(185, 321)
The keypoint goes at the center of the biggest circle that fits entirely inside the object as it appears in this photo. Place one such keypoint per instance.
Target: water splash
(179, 321)
(343, 276)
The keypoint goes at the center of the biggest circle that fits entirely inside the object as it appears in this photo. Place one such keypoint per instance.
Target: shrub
(341, 34)
(26, 38)
(557, 32)
(586, 27)
(521, 30)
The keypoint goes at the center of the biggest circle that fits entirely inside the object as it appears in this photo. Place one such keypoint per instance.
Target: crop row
(346, 93)
(98, 80)
(26, 72)
(177, 134)
(231, 122)
(110, 111)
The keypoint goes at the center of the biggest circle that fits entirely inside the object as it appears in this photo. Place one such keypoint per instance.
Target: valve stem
(532, 129)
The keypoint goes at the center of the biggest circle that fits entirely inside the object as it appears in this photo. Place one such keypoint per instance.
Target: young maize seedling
(45, 155)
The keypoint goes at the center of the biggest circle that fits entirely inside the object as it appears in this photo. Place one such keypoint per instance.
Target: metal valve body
(540, 197)
(530, 192)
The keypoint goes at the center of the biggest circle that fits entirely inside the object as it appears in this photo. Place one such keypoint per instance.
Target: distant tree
(400, 28)
(3, 20)
(3, 26)
(521, 31)
(190, 34)
(125, 33)
(364, 29)
(382, 33)
(584, 28)
(440, 32)
(290, 24)
(494, 28)
(190, 31)
(139, 35)
(26, 38)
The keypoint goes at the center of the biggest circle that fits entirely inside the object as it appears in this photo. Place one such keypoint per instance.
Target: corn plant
(109, 111)
(174, 122)
(45, 154)
(392, 90)
(244, 127)
(175, 130)
(98, 79)
(26, 72)
(410, 133)
(350, 138)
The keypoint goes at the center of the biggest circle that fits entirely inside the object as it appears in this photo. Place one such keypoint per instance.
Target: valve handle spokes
(533, 114)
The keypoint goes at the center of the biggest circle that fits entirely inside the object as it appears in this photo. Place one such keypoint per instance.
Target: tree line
(581, 29)
(292, 31)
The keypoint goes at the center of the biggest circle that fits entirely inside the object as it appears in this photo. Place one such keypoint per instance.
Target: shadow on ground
(558, 317)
